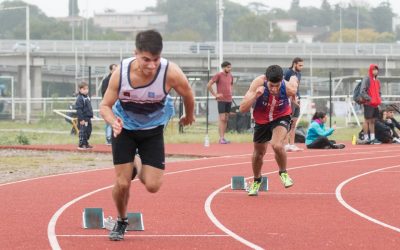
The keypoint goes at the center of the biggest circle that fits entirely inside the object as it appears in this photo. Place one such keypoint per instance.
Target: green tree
(382, 17)
(258, 32)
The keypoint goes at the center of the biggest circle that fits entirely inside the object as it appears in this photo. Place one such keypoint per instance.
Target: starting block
(93, 218)
(238, 183)
(264, 184)
(135, 222)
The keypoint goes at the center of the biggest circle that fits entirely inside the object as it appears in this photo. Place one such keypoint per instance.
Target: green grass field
(57, 131)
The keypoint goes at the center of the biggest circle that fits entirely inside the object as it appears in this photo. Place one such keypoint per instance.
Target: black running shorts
(263, 132)
(149, 143)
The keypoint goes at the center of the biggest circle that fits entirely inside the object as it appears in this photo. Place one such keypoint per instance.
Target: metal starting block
(93, 218)
(264, 184)
(238, 183)
(135, 221)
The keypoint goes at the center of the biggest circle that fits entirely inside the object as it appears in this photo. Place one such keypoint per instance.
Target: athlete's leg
(292, 132)
(258, 157)
(151, 177)
(120, 193)
(223, 123)
(278, 136)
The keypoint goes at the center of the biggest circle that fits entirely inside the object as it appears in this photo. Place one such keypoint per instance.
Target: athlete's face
(148, 63)
(228, 69)
(299, 66)
(274, 87)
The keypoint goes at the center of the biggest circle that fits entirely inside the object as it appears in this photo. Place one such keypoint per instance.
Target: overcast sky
(59, 8)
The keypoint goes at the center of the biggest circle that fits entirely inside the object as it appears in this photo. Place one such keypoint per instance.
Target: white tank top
(147, 106)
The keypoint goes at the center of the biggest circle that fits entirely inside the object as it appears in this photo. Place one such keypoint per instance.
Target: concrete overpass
(64, 61)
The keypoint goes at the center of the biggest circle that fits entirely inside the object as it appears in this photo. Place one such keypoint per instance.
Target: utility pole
(221, 30)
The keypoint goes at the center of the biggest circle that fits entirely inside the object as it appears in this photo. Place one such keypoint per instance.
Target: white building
(285, 25)
(131, 22)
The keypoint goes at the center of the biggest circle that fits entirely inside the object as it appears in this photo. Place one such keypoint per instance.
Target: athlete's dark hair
(274, 73)
(111, 66)
(318, 115)
(296, 60)
(225, 64)
(149, 41)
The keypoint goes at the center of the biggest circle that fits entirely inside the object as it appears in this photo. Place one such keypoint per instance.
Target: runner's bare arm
(177, 80)
(291, 86)
(256, 89)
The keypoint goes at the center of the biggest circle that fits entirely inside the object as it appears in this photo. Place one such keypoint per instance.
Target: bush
(22, 139)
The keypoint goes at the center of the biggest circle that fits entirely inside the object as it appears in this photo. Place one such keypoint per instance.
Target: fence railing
(187, 47)
(342, 106)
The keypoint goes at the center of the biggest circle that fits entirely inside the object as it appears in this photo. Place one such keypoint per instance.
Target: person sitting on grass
(383, 132)
(393, 124)
(317, 134)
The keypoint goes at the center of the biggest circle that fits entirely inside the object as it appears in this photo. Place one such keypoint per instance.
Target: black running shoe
(338, 146)
(118, 231)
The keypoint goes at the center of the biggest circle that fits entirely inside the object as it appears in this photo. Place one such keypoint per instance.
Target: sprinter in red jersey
(269, 95)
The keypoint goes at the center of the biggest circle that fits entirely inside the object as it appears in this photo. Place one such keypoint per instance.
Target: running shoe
(286, 180)
(224, 141)
(288, 148)
(118, 231)
(338, 146)
(295, 148)
(253, 190)
(375, 141)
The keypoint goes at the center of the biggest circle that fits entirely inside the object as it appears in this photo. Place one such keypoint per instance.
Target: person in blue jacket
(317, 134)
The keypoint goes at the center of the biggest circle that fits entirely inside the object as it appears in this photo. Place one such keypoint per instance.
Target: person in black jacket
(104, 86)
(392, 123)
(84, 113)
(383, 132)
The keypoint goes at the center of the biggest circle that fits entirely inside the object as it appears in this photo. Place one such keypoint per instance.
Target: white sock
(372, 136)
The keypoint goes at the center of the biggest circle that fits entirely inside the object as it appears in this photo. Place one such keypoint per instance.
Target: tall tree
(382, 17)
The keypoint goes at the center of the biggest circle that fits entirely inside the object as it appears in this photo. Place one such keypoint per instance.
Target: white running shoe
(288, 148)
(295, 148)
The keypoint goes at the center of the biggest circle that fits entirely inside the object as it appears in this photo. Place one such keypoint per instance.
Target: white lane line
(217, 223)
(190, 160)
(339, 197)
(276, 193)
(52, 223)
(145, 235)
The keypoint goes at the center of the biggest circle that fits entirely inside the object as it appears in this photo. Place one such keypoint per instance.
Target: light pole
(27, 63)
(221, 29)
(340, 25)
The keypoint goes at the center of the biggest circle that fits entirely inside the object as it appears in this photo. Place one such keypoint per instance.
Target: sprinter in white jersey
(138, 107)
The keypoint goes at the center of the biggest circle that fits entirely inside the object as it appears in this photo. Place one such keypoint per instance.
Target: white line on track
(278, 193)
(339, 197)
(201, 159)
(210, 214)
(146, 235)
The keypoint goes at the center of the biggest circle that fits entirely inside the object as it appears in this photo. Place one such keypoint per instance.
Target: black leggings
(322, 142)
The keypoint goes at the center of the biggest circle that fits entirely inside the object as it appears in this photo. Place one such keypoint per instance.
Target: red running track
(345, 199)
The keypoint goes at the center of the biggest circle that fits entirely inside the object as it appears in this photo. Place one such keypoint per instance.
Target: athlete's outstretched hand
(186, 120)
(117, 126)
